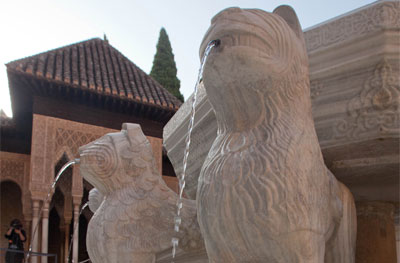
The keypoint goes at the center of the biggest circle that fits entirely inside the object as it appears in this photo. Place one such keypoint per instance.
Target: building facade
(63, 99)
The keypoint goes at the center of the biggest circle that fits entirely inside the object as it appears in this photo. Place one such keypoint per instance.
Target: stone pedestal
(376, 240)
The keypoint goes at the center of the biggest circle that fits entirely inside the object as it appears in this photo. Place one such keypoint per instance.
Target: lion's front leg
(341, 248)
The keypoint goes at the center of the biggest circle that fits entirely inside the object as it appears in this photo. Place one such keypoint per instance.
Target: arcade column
(45, 231)
(75, 246)
(35, 228)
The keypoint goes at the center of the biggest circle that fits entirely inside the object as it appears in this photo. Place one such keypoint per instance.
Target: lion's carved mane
(264, 193)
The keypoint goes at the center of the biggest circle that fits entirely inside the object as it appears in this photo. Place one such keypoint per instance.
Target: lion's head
(260, 54)
(118, 159)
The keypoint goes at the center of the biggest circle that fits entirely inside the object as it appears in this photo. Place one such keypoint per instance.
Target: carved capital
(77, 200)
(35, 207)
(45, 211)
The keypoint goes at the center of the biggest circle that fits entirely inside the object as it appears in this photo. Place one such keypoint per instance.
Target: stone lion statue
(264, 192)
(134, 208)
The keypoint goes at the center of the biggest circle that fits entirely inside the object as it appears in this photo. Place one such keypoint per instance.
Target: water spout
(53, 185)
(75, 229)
(216, 42)
(181, 178)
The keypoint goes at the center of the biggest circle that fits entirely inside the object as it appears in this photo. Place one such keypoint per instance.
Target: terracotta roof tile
(97, 66)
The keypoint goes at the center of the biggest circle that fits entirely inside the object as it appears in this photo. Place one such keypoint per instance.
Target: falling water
(74, 230)
(53, 185)
(178, 219)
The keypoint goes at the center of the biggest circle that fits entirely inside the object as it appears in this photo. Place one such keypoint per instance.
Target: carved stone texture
(340, 71)
(375, 108)
(359, 23)
(357, 122)
(135, 219)
(95, 199)
(12, 170)
(72, 139)
(264, 193)
(203, 135)
(356, 73)
(52, 138)
(15, 167)
(316, 89)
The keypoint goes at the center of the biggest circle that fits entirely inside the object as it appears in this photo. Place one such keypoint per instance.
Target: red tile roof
(96, 66)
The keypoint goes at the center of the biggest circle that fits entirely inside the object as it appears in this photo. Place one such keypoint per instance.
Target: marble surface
(264, 183)
(134, 208)
(355, 95)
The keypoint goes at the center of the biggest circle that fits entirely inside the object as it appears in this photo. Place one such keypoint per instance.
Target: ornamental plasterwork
(375, 108)
(315, 89)
(52, 137)
(12, 170)
(72, 139)
(379, 16)
(14, 167)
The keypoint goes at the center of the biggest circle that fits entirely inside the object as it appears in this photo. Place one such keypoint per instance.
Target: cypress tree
(164, 67)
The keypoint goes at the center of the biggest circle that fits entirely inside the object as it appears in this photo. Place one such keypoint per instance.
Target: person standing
(16, 236)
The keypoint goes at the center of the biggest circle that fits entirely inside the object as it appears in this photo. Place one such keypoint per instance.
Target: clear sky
(132, 27)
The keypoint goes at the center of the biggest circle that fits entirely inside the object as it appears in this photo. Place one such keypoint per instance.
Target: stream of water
(52, 187)
(181, 178)
(177, 219)
(74, 230)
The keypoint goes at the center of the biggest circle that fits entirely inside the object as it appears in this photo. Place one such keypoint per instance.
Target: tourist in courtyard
(16, 236)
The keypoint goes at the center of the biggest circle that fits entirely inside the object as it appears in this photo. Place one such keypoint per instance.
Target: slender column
(45, 231)
(61, 250)
(66, 242)
(35, 235)
(376, 240)
(76, 234)
(28, 231)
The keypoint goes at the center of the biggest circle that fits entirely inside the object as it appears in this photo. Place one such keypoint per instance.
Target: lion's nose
(231, 11)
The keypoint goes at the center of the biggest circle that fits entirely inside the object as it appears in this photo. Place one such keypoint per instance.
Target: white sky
(132, 26)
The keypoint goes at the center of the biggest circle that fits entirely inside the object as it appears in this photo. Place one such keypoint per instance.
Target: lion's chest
(237, 171)
(263, 180)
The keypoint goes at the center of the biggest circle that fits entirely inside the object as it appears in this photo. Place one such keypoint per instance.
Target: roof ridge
(96, 65)
(53, 50)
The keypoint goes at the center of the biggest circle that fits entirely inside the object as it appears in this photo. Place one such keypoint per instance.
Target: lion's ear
(289, 15)
(134, 132)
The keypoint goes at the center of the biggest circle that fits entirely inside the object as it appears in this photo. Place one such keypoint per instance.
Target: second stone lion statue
(264, 193)
(134, 208)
